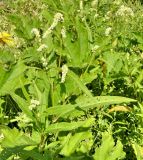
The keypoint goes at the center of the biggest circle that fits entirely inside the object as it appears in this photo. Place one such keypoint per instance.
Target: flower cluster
(44, 62)
(43, 46)
(64, 73)
(95, 48)
(57, 18)
(23, 118)
(36, 32)
(81, 5)
(1, 136)
(141, 55)
(124, 11)
(117, 2)
(108, 15)
(63, 32)
(94, 3)
(107, 31)
(34, 103)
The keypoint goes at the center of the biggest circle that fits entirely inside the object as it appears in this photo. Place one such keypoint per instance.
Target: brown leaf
(120, 109)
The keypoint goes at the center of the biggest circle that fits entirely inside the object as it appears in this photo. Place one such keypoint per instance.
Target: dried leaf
(119, 108)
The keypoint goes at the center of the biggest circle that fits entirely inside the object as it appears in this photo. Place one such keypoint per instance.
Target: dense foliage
(71, 80)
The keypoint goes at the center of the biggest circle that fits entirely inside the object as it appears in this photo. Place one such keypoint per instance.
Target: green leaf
(139, 37)
(24, 25)
(66, 126)
(23, 105)
(6, 56)
(24, 154)
(138, 150)
(85, 103)
(113, 61)
(10, 80)
(77, 44)
(74, 141)
(13, 138)
(63, 126)
(79, 83)
(87, 78)
(108, 150)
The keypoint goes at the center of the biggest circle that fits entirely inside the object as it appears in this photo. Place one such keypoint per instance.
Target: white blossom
(63, 32)
(6, 117)
(94, 3)
(141, 55)
(23, 118)
(64, 73)
(33, 104)
(124, 11)
(1, 136)
(36, 32)
(16, 157)
(108, 15)
(81, 5)
(95, 48)
(44, 61)
(107, 31)
(96, 15)
(43, 46)
(117, 2)
(57, 18)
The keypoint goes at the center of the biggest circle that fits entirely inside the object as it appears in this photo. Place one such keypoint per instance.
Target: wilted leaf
(120, 109)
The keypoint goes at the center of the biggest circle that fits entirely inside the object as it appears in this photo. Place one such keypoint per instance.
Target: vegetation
(71, 80)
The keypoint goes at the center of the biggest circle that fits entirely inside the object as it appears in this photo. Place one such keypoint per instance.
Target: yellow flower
(6, 38)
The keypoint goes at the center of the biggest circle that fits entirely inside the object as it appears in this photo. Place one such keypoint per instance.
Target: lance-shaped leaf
(67, 126)
(84, 104)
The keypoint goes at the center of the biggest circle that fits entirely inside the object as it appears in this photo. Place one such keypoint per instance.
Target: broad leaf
(13, 138)
(11, 80)
(108, 150)
(74, 141)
